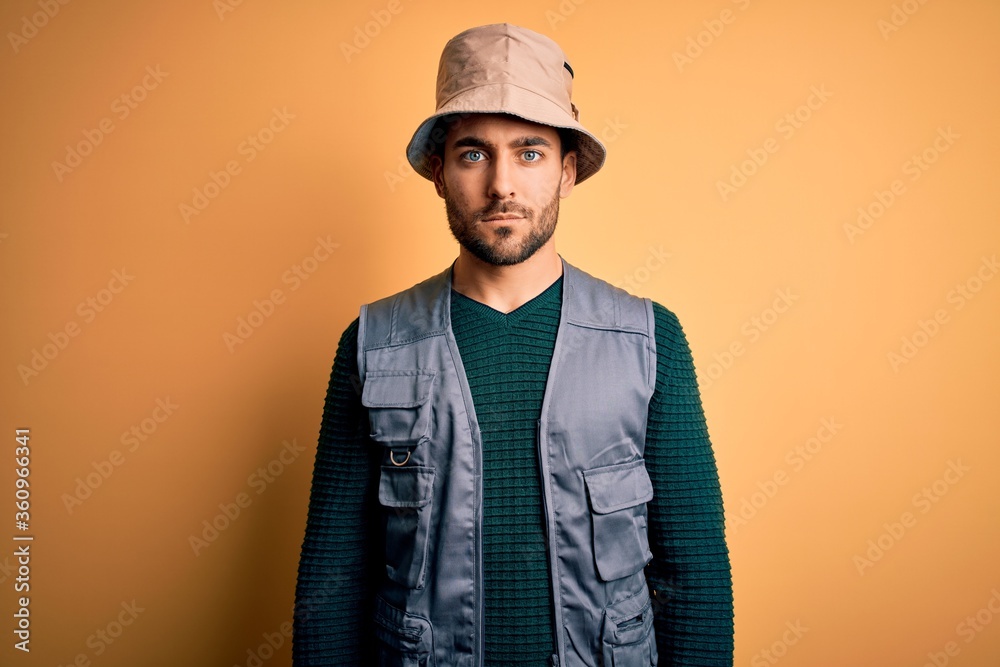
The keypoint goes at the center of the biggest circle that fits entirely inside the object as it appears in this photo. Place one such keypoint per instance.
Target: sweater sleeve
(333, 591)
(690, 572)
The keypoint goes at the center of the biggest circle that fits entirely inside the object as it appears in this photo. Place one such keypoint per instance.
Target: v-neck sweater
(506, 358)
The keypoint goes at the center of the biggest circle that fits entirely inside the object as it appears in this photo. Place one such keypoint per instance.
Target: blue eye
(469, 156)
(536, 154)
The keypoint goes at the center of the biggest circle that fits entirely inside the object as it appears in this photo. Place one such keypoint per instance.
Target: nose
(501, 179)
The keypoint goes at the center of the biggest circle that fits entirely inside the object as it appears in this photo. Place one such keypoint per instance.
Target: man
(513, 465)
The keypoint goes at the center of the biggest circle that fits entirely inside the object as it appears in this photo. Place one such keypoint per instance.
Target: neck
(505, 288)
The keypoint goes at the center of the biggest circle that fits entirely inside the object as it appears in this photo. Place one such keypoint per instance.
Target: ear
(568, 174)
(437, 174)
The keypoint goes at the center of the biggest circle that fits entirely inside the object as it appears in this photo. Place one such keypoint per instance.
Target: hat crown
(500, 54)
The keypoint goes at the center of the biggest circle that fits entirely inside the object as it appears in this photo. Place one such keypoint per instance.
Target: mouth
(503, 218)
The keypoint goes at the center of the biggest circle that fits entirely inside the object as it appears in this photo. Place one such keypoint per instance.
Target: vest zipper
(480, 606)
(550, 538)
(480, 583)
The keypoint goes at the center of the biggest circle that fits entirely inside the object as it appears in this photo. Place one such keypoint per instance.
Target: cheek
(543, 187)
(461, 190)
(454, 194)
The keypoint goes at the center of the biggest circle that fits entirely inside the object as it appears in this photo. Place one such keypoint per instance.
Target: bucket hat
(503, 68)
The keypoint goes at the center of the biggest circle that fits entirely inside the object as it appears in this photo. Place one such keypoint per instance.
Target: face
(501, 179)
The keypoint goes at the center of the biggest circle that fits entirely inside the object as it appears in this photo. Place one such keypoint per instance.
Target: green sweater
(506, 359)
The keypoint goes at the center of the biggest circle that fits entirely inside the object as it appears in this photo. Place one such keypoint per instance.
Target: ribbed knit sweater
(506, 359)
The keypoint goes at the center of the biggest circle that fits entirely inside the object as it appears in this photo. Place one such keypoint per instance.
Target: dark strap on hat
(570, 69)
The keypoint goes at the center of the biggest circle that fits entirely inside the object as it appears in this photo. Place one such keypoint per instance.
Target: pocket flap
(628, 609)
(408, 486)
(396, 389)
(405, 632)
(628, 635)
(616, 487)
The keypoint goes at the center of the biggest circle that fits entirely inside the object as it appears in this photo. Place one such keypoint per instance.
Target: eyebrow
(472, 141)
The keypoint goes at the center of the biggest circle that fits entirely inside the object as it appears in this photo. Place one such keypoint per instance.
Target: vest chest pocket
(406, 494)
(399, 411)
(618, 495)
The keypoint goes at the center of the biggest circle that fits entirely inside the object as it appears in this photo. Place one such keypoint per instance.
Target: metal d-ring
(392, 457)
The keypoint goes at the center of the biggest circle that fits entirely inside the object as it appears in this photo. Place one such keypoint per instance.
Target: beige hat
(502, 68)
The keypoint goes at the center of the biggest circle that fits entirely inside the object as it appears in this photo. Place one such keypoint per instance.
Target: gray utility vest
(591, 437)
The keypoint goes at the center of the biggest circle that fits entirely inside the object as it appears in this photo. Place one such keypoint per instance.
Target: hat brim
(513, 100)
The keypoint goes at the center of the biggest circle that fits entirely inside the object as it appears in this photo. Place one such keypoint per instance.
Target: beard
(499, 245)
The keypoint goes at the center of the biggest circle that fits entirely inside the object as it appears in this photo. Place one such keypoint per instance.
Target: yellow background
(674, 128)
